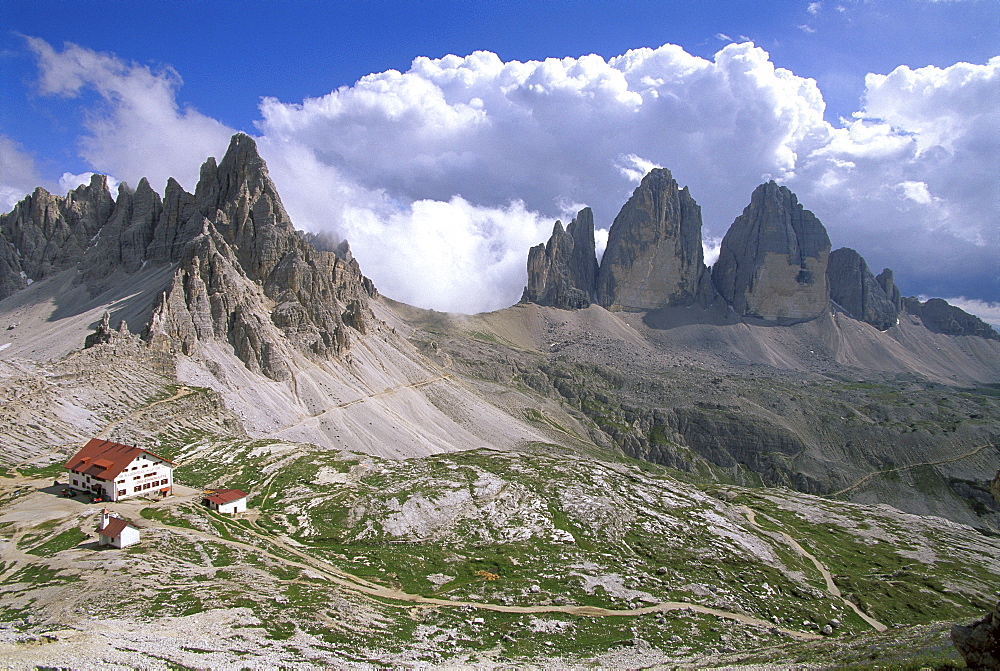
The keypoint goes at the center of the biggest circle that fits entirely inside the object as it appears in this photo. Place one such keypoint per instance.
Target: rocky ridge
(654, 257)
(562, 273)
(854, 289)
(775, 266)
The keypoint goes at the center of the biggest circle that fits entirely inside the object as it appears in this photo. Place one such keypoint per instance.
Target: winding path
(358, 584)
(871, 475)
(181, 393)
(831, 586)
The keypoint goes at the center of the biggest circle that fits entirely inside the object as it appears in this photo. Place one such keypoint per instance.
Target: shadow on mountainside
(665, 319)
(125, 297)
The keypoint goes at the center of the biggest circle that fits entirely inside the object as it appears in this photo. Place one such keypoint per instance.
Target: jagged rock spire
(563, 272)
(654, 257)
(773, 260)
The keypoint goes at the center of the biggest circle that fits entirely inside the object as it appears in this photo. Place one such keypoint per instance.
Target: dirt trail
(358, 584)
(871, 475)
(831, 586)
(392, 390)
(181, 393)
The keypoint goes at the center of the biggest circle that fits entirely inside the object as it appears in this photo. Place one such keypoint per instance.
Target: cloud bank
(442, 177)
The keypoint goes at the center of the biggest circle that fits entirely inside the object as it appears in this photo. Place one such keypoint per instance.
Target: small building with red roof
(117, 531)
(114, 471)
(229, 501)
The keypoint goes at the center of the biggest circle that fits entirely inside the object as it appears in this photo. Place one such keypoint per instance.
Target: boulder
(563, 272)
(856, 291)
(773, 260)
(654, 258)
(979, 642)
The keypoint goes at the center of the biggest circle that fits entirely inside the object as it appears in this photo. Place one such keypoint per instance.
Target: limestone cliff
(248, 279)
(940, 316)
(51, 233)
(886, 280)
(773, 260)
(654, 257)
(855, 290)
(563, 272)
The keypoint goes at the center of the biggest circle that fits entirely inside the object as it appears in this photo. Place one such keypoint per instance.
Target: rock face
(886, 280)
(50, 233)
(244, 276)
(857, 292)
(995, 488)
(773, 260)
(654, 257)
(940, 316)
(563, 272)
(979, 643)
(249, 279)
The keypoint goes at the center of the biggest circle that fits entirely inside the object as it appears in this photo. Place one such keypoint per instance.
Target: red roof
(105, 460)
(115, 527)
(226, 496)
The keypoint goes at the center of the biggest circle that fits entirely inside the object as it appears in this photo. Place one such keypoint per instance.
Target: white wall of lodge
(145, 475)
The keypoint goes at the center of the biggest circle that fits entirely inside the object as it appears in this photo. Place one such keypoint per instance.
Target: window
(121, 492)
(146, 486)
(137, 489)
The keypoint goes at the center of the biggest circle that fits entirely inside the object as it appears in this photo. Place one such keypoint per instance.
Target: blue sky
(481, 155)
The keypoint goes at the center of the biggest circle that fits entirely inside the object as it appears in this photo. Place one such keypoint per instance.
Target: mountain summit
(772, 264)
(654, 257)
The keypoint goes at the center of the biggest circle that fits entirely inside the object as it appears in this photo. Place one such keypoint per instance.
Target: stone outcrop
(773, 260)
(51, 233)
(856, 291)
(886, 280)
(104, 334)
(940, 316)
(248, 278)
(995, 488)
(979, 642)
(654, 258)
(562, 273)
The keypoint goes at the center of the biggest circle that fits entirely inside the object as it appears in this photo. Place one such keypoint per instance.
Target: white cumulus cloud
(442, 176)
(140, 130)
(18, 175)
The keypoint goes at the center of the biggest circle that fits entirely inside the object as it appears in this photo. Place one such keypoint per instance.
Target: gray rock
(855, 290)
(563, 272)
(886, 280)
(654, 257)
(826, 630)
(979, 642)
(939, 316)
(772, 264)
(52, 233)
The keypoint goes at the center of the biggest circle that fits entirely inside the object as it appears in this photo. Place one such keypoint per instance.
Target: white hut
(117, 531)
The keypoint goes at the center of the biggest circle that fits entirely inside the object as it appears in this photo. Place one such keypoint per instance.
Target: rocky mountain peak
(563, 272)
(855, 290)
(773, 260)
(654, 257)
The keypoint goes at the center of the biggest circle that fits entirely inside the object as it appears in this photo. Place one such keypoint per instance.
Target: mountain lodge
(114, 471)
